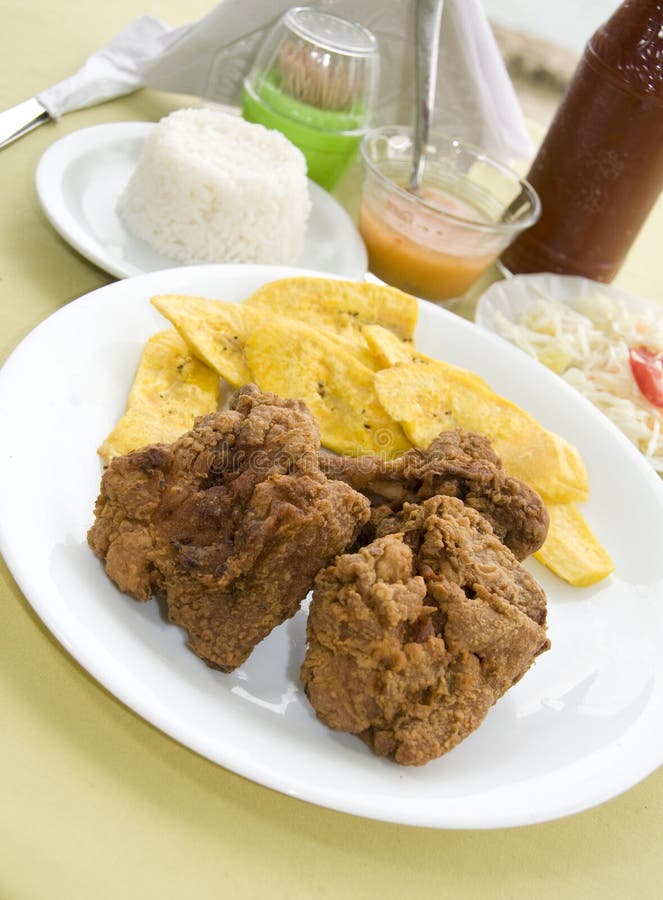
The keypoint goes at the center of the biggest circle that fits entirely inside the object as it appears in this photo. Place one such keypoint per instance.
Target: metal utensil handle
(18, 120)
(428, 15)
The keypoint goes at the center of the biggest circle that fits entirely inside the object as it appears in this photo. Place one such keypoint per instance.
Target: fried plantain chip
(294, 360)
(170, 389)
(342, 307)
(571, 550)
(389, 350)
(215, 331)
(427, 399)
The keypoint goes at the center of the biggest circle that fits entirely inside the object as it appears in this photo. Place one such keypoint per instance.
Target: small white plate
(583, 724)
(509, 301)
(80, 178)
(513, 296)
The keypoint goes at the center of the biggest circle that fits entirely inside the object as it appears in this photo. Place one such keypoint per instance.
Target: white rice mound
(211, 187)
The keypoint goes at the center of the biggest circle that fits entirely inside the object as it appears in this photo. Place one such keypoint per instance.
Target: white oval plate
(80, 178)
(583, 725)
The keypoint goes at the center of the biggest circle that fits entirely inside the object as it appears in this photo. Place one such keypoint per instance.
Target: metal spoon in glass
(428, 15)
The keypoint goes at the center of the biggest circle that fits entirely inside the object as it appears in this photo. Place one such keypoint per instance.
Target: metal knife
(18, 120)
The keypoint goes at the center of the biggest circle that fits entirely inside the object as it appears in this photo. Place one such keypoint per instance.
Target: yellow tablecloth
(94, 802)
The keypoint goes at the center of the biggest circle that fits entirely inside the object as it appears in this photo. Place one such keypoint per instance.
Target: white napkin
(210, 57)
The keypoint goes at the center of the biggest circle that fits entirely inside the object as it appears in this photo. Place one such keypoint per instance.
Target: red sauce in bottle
(600, 168)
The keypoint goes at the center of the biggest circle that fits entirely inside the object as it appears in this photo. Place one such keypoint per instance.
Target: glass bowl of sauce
(436, 242)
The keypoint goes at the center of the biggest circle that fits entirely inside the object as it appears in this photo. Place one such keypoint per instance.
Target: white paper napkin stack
(210, 57)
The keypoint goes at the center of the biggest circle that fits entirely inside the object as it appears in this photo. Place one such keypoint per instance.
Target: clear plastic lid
(315, 61)
(330, 32)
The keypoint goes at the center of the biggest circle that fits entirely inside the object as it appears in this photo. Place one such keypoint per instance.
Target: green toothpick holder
(314, 80)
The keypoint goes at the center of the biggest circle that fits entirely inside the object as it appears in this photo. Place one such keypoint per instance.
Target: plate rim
(565, 290)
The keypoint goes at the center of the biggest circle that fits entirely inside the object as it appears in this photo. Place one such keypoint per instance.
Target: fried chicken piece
(457, 464)
(412, 639)
(229, 524)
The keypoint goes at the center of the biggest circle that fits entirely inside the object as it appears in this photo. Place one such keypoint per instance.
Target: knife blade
(18, 120)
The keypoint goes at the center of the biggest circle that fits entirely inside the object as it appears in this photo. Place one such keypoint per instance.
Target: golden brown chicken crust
(229, 524)
(414, 638)
(457, 464)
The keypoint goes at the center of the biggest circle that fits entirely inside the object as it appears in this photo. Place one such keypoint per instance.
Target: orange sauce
(412, 248)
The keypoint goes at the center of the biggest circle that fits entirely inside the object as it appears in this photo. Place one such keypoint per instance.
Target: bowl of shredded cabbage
(606, 343)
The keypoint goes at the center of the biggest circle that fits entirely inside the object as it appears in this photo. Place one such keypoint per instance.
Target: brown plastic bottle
(600, 168)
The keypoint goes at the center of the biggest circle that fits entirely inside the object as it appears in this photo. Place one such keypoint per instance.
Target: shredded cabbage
(588, 345)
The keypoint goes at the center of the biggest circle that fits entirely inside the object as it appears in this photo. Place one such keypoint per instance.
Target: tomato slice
(647, 368)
